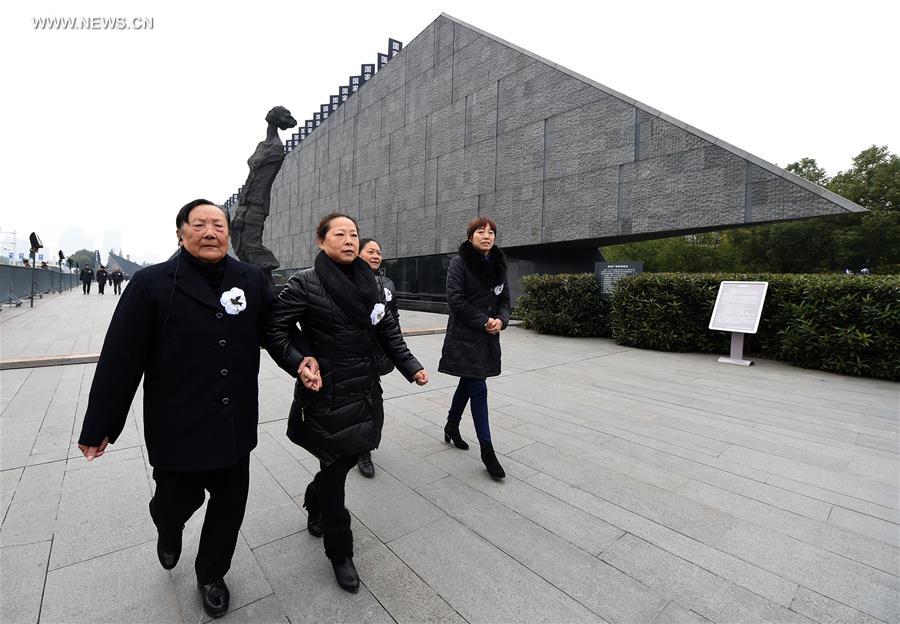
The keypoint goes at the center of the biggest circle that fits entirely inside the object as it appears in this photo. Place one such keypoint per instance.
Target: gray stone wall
(461, 123)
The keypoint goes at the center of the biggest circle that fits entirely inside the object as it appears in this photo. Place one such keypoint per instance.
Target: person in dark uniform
(191, 327)
(370, 251)
(102, 275)
(338, 410)
(117, 278)
(86, 276)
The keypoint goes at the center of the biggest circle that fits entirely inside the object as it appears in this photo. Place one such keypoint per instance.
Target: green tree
(82, 257)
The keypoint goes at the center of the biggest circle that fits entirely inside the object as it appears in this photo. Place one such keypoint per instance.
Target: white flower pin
(377, 313)
(234, 301)
(387, 294)
(498, 289)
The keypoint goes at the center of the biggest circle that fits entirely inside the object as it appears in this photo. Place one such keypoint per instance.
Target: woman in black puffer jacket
(370, 251)
(478, 296)
(337, 411)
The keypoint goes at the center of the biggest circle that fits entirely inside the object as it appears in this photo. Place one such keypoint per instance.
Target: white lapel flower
(387, 294)
(377, 313)
(234, 301)
(498, 289)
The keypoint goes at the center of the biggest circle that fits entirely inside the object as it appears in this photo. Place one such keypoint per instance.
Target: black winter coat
(477, 290)
(346, 415)
(200, 366)
(86, 276)
(101, 277)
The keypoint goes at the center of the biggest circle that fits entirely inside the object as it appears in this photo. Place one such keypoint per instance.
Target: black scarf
(212, 272)
(490, 270)
(355, 294)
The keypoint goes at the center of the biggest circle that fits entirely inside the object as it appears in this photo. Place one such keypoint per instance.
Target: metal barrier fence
(15, 282)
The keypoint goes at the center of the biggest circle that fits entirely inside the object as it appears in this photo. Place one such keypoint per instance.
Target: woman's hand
(308, 374)
(94, 451)
(421, 378)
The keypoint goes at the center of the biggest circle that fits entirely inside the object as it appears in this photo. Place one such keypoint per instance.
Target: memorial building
(460, 123)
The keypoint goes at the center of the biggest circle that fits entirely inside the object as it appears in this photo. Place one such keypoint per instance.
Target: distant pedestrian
(101, 278)
(478, 296)
(86, 276)
(370, 251)
(117, 277)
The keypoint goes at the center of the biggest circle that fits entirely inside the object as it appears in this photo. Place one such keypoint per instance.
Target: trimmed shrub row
(838, 323)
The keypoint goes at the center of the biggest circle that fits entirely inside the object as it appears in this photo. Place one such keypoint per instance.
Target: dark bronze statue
(250, 214)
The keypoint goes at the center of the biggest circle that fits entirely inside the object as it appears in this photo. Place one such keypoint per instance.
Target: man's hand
(421, 378)
(493, 326)
(94, 451)
(308, 373)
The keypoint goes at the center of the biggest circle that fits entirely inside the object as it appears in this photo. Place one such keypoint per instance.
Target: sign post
(738, 310)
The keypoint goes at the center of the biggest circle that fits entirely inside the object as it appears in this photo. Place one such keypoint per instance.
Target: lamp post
(62, 257)
(35, 245)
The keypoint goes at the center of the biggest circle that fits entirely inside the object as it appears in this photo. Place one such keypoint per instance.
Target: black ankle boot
(345, 574)
(490, 461)
(451, 432)
(366, 467)
(313, 511)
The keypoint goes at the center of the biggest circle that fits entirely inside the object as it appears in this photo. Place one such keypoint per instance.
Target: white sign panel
(739, 306)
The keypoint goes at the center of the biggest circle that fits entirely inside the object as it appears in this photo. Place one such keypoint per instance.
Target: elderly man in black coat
(191, 327)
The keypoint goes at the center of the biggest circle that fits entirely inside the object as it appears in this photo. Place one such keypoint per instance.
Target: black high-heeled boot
(313, 511)
(490, 461)
(451, 432)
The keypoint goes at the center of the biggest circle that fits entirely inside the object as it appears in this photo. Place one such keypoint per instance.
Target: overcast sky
(115, 130)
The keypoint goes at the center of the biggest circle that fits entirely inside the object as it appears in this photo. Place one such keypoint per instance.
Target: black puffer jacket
(386, 286)
(346, 415)
(476, 291)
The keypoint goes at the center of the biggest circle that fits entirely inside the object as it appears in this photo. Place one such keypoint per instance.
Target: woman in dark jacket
(478, 296)
(370, 251)
(337, 410)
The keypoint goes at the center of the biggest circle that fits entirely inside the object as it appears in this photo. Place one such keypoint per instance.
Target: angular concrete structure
(461, 123)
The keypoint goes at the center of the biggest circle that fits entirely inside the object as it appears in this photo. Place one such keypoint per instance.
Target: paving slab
(499, 589)
(22, 573)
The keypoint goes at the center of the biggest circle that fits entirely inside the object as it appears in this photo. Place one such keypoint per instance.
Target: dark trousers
(101, 286)
(117, 288)
(474, 390)
(86, 287)
(179, 494)
(329, 487)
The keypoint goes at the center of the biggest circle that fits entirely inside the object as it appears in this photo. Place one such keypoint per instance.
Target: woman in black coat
(337, 411)
(370, 251)
(478, 296)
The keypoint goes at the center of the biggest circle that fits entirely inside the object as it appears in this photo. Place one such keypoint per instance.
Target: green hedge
(844, 324)
(566, 305)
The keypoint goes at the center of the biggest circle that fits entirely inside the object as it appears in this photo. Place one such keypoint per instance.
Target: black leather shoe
(168, 544)
(366, 468)
(490, 461)
(215, 598)
(345, 574)
(313, 512)
(451, 432)
(168, 548)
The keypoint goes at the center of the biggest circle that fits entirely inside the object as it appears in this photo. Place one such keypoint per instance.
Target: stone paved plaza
(642, 487)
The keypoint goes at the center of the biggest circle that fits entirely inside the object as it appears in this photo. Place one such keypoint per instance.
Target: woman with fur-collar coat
(478, 296)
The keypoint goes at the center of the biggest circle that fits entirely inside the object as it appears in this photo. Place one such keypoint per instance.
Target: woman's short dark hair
(479, 222)
(365, 241)
(184, 214)
(325, 224)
